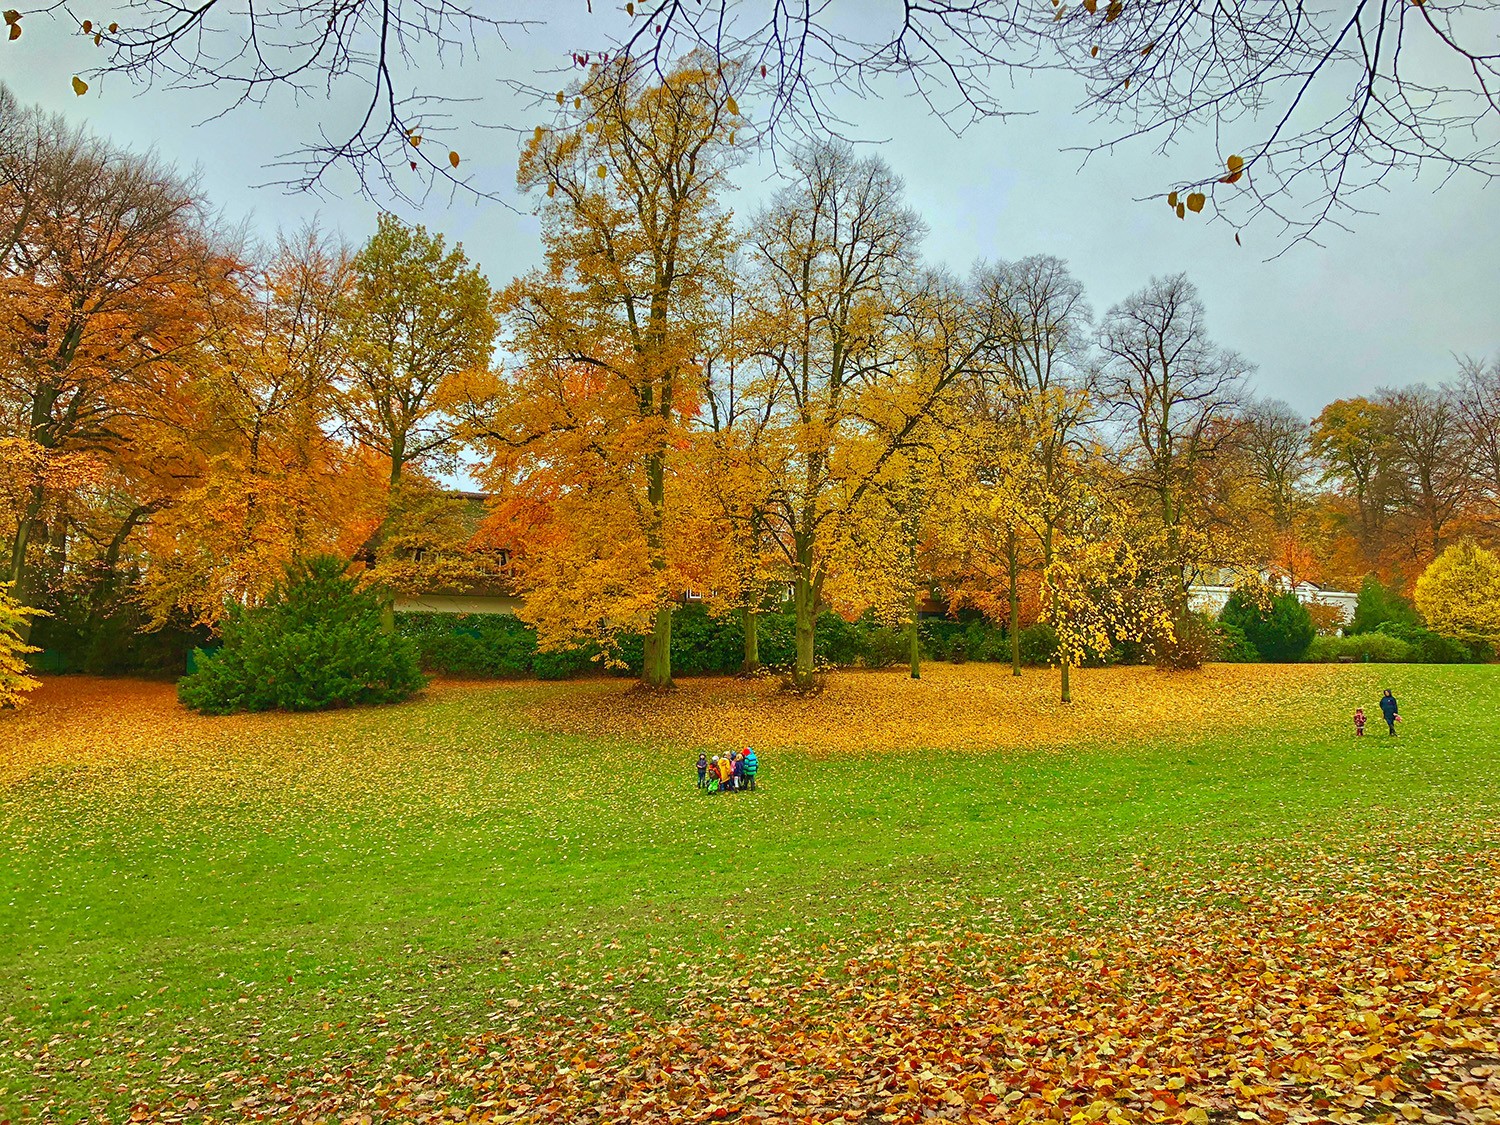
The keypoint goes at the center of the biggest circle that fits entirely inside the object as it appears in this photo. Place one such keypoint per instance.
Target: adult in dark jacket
(1388, 709)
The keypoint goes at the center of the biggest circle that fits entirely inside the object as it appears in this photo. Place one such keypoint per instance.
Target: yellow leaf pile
(974, 706)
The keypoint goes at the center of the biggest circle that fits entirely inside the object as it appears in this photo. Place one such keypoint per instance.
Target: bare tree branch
(1320, 100)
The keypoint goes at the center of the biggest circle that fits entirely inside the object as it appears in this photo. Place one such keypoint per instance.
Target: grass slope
(188, 901)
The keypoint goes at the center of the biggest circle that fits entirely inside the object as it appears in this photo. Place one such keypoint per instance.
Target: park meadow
(1186, 897)
(612, 604)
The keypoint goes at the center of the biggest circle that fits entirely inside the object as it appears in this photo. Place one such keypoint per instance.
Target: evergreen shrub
(316, 643)
(1280, 633)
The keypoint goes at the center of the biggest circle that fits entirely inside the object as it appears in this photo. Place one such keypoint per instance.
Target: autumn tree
(1409, 471)
(1431, 457)
(1476, 396)
(981, 554)
(1275, 440)
(1459, 593)
(1036, 397)
(1096, 591)
(857, 346)
(420, 334)
(1351, 440)
(274, 482)
(107, 260)
(1074, 535)
(885, 559)
(1173, 393)
(611, 334)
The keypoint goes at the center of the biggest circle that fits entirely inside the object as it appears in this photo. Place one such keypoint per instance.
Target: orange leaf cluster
(1302, 1002)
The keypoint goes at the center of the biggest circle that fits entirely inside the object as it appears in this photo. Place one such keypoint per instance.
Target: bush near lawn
(1394, 643)
(1376, 648)
(316, 643)
(1280, 631)
(109, 633)
(503, 646)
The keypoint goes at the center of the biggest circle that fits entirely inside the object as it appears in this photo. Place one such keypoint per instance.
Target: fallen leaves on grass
(1354, 995)
(972, 706)
(1277, 1004)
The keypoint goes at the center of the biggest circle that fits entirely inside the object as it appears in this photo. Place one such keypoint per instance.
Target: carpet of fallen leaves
(1228, 1000)
(977, 706)
(1356, 984)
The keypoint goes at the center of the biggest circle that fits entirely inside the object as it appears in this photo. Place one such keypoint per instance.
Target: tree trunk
(804, 598)
(916, 642)
(20, 573)
(656, 668)
(388, 615)
(1015, 608)
(398, 459)
(750, 620)
(1067, 690)
(656, 671)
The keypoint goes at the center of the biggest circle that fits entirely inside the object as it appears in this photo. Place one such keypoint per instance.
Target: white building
(1210, 599)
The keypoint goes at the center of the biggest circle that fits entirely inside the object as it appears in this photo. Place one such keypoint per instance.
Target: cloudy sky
(1386, 303)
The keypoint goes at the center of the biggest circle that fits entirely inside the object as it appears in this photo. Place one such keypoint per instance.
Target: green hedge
(109, 639)
(504, 646)
(1378, 648)
(1434, 648)
(1395, 642)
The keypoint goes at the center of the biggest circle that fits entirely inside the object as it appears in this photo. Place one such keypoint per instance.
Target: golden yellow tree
(1459, 593)
(857, 346)
(15, 681)
(1030, 408)
(612, 333)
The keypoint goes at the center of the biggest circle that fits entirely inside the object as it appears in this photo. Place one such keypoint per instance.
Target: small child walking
(702, 769)
(1359, 722)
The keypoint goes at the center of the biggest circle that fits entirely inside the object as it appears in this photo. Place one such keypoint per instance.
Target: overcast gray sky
(1386, 303)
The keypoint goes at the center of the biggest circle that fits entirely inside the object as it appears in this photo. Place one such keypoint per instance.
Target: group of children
(726, 773)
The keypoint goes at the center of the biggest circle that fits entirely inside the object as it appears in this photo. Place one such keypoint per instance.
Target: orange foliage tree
(271, 482)
(106, 276)
(594, 426)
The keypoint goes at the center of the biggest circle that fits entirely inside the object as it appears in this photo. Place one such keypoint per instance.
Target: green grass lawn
(259, 894)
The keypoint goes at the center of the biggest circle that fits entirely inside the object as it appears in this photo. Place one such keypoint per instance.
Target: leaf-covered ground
(1187, 898)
